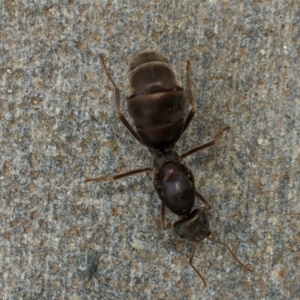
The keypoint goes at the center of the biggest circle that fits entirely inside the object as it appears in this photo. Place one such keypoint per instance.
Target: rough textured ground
(58, 126)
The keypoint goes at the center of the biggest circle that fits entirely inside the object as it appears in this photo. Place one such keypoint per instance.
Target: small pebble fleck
(87, 264)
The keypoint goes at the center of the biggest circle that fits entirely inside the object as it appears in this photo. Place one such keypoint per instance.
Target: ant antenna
(225, 245)
(191, 263)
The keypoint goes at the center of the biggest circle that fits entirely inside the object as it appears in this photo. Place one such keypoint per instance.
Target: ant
(156, 102)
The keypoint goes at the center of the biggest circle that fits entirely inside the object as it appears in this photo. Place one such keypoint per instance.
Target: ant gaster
(156, 102)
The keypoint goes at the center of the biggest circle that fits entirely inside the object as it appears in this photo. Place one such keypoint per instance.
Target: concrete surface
(58, 126)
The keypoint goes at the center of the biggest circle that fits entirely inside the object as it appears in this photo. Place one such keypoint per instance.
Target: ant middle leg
(118, 176)
(217, 137)
(117, 101)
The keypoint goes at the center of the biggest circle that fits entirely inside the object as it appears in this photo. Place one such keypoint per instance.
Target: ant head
(194, 227)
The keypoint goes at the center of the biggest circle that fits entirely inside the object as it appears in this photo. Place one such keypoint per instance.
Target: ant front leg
(164, 225)
(203, 200)
(117, 102)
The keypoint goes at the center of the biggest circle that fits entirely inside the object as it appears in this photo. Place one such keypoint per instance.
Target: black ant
(156, 102)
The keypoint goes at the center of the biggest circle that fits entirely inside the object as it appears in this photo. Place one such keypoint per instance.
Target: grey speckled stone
(86, 264)
(58, 126)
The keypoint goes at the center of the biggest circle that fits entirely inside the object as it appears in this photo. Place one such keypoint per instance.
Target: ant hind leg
(117, 101)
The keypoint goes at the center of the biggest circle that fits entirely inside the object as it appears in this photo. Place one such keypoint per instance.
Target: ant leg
(118, 176)
(233, 255)
(190, 97)
(117, 101)
(164, 225)
(217, 137)
(203, 200)
(191, 264)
